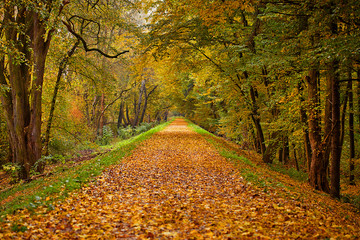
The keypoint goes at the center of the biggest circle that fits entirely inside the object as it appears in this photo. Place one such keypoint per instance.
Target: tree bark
(22, 103)
(304, 120)
(286, 150)
(121, 116)
(318, 168)
(127, 115)
(358, 95)
(335, 136)
(101, 115)
(255, 116)
(146, 102)
(296, 159)
(138, 107)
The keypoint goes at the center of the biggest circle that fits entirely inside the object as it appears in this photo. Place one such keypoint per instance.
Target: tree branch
(86, 48)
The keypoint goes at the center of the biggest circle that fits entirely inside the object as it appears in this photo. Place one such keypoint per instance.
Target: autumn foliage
(177, 186)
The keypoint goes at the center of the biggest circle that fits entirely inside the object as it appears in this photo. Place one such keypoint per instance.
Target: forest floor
(176, 185)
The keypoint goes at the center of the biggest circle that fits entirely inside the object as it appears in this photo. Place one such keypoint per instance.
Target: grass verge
(45, 191)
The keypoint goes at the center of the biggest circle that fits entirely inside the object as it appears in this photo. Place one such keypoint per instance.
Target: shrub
(13, 170)
(106, 136)
(126, 132)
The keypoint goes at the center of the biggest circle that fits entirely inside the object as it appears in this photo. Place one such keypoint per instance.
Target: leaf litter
(176, 186)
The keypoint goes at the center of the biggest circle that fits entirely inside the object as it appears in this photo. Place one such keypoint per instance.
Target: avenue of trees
(278, 77)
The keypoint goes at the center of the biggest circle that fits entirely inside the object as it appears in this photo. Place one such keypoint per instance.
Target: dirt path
(176, 186)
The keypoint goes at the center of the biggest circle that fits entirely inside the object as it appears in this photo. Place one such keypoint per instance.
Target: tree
(27, 28)
(277, 76)
(27, 32)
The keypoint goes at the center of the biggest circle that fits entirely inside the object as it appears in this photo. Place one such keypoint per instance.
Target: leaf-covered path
(176, 186)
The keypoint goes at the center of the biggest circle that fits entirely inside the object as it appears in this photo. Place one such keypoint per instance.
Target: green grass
(236, 158)
(291, 172)
(198, 129)
(44, 192)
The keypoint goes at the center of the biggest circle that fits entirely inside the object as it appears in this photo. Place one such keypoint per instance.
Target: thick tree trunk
(318, 168)
(22, 103)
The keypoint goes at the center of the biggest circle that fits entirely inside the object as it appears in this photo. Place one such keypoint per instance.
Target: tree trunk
(304, 120)
(296, 159)
(101, 120)
(286, 150)
(335, 136)
(138, 107)
(358, 95)
(318, 168)
(145, 103)
(255, 116)
(281, 155)
(351, 132)
(127, 115)
(144, 107)
(328, 120)
(121, 116)
(133, 123)
(22, 103)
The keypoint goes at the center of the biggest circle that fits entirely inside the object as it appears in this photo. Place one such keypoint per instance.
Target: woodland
(279, 78)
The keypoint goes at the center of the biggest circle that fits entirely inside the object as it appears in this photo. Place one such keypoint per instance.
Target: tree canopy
(280, 78)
